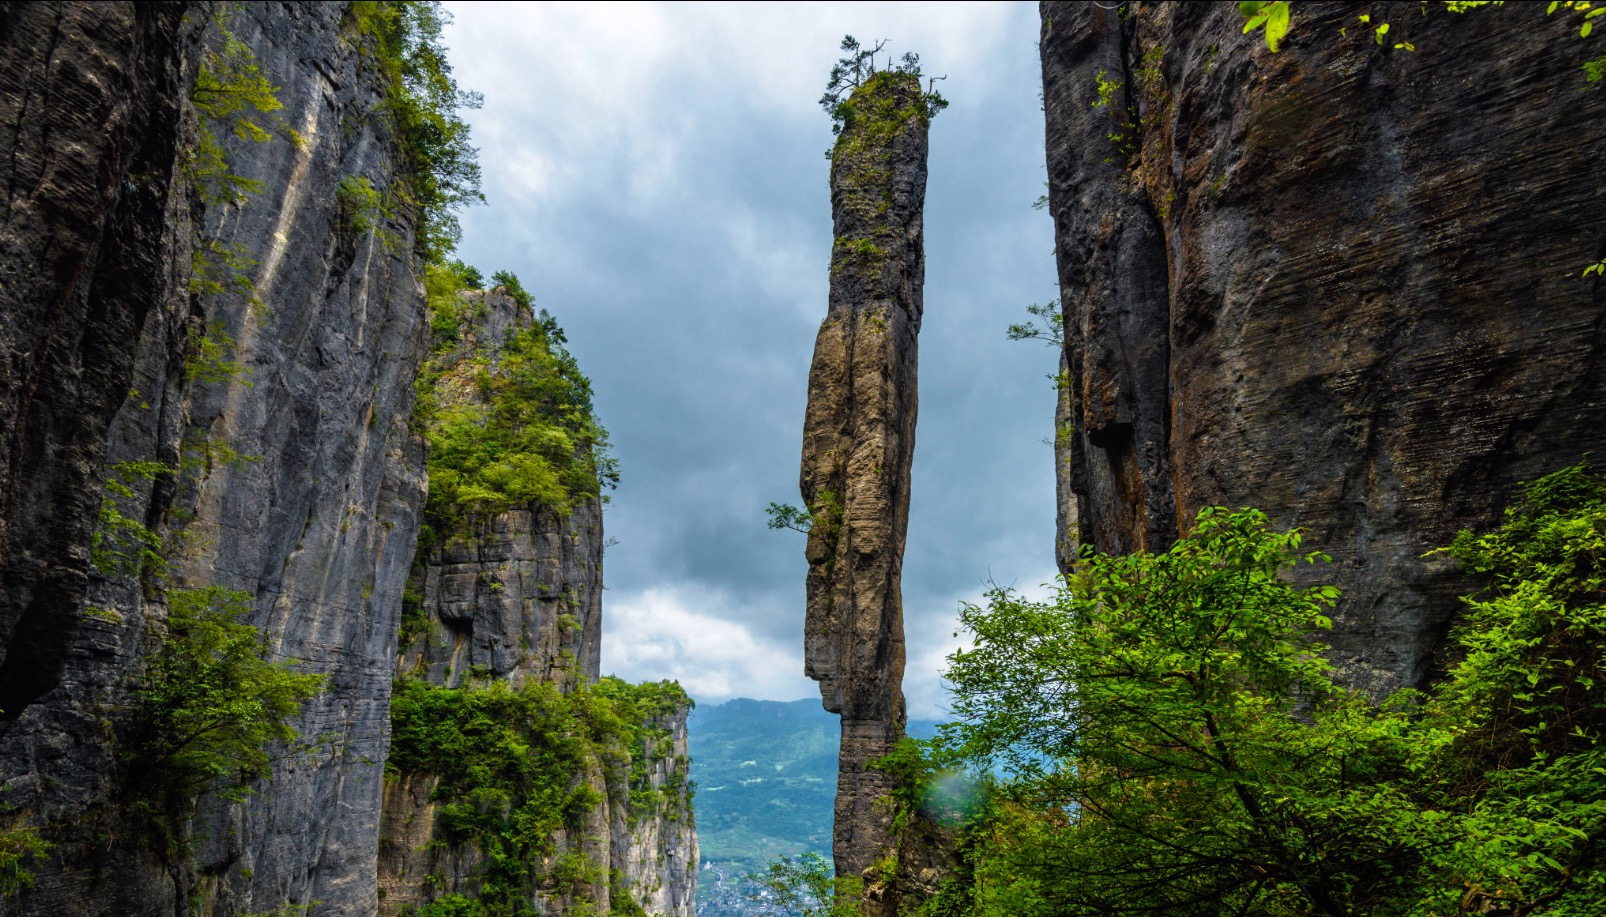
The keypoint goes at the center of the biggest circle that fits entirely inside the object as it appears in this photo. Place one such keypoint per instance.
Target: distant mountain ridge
(766, 781)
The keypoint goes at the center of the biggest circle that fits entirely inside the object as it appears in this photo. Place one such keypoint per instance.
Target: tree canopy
(1180, 746)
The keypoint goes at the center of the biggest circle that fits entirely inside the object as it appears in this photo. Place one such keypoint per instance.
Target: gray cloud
(655, 176)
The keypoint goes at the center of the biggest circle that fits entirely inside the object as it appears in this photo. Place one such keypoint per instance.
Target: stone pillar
(858, 439)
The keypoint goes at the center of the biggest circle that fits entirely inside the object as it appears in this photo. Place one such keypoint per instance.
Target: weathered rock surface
(300, 479)
(858, 441)
(1340, 283)
(517, 596)
(94, 97)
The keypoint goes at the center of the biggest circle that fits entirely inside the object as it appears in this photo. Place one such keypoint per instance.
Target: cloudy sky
(655, 176)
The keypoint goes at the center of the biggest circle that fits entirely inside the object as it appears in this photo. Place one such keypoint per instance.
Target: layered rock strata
(516, 597)
(1340, 283)
(858, 441)
(259, 349)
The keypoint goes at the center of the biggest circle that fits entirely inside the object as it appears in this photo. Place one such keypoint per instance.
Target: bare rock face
(95, 95)
(291, 473)
(1340, 283)
(858, 441)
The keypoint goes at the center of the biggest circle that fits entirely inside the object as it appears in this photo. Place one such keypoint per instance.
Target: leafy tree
(1508, 757)
(1154, 710)
(1181, 748)
(857, 68)
(787, 516)
(210, 708)
(442, 172)
(805, 887)
(1050, 332)
(509, 281)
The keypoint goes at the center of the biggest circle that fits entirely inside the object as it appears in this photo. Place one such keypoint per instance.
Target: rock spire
(858, 439)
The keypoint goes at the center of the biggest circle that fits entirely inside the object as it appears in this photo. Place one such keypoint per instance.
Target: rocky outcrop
(639, 839)
(259, 349)
(1340, 283)
(512, 595)
(858, 441)
(515, 597)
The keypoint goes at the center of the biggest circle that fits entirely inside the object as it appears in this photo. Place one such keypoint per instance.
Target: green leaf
(1277, 25)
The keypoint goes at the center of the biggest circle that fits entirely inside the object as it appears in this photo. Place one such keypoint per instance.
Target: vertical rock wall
(299, 480)
(1340, 283)
(858, 441)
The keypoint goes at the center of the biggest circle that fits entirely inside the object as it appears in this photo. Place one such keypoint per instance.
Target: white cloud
(660, 633)
(932, 634)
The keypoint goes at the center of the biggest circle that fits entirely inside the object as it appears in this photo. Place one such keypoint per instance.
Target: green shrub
(19, 845)
(510, 763)
(211, 710)
(529, 434)
(1178, 737)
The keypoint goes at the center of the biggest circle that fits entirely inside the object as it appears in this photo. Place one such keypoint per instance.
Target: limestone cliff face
(650, 855)
(1339, 283)
(292, 475)
(858, 441)
(516, 597)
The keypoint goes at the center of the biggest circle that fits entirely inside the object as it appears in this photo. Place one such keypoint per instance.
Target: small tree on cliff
(856, 68)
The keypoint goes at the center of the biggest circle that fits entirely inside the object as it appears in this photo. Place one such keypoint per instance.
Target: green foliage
(857, 70)
(1050, 332)
(509, 282)
(210, 356)
(1510, 746)
(806, 887)
(1178, 739)
(1126, 132)
(363, 209)
(527, 435)
(121, 544)
(787, 516)
(509, 763)
(423, 101)
(1272, 16)
(451, 906)
(209, 707)
(20, 846)
(232, 95)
